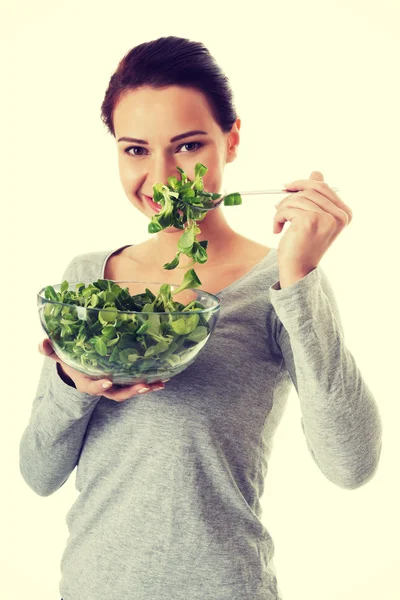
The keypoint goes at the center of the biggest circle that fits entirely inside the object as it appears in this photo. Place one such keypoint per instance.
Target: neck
(214, 228)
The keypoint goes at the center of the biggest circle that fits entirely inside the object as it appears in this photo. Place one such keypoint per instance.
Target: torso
(128, 264)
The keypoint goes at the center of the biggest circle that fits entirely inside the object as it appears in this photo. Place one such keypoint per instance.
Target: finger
(317, 176)
(119, 394)
(46, 348)
(86, 384)
(313, 201)
(289, 214)
(322, 188)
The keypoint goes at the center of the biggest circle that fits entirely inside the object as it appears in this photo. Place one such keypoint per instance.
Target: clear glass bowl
(129, 347)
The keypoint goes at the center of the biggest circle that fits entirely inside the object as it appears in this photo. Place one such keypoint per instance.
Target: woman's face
(152, 118)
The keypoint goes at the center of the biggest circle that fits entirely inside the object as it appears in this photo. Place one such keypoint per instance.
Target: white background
(316, 87)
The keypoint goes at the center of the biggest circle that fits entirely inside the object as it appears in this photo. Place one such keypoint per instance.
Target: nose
(160, 169)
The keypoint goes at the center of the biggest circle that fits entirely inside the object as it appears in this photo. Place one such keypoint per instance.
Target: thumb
(46, 348)
(317, 176)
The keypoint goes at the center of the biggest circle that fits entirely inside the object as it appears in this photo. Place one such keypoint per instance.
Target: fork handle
(272, 192)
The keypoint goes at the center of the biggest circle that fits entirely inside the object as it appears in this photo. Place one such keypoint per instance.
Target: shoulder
(88, 265)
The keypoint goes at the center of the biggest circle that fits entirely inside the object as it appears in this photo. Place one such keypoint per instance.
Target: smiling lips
(153, 205)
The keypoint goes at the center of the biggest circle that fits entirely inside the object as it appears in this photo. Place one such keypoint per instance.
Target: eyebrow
(181, 136)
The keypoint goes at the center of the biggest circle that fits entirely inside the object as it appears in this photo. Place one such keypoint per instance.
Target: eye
(199, 145)
(134, 148)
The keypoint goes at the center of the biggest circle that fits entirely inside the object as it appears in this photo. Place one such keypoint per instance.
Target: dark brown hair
(171, 61)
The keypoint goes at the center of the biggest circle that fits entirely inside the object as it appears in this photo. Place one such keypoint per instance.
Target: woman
(170, 483)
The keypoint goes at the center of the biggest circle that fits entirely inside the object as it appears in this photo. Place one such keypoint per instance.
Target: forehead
(171, 108)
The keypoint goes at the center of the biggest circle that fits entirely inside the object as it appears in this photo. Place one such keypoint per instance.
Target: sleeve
(340, 418)
(51, 444)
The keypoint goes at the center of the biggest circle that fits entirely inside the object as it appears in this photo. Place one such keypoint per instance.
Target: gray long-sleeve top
(170, 482)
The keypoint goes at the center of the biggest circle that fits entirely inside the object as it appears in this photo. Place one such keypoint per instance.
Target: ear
(233, 141)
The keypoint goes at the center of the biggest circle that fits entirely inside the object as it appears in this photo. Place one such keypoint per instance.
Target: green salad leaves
(176, 212)
(107, 340)
(150, 341)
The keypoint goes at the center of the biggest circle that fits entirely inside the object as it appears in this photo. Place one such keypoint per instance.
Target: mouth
(153, 205)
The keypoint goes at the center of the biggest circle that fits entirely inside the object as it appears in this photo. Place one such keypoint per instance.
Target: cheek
(212, 182)
(122, 169)
(127, 175)
(214, 176)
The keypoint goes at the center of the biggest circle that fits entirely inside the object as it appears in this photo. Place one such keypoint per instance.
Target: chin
(171, 229)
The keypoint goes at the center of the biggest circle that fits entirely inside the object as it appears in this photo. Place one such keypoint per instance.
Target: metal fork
(250, 193)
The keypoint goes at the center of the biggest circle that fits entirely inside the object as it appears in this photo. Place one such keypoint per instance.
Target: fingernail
(143, 390)
(158, 387)
(41, 349)
(164, 380)
(106, 385)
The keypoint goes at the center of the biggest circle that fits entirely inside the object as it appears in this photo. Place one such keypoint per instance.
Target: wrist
(286, 280)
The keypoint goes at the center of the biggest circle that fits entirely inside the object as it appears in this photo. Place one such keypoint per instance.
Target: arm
(340, 418)
(51, 444)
